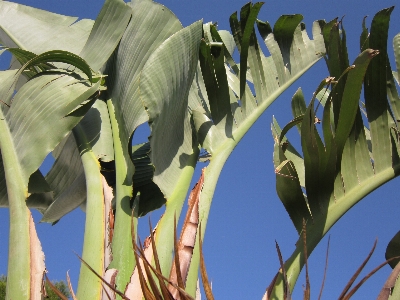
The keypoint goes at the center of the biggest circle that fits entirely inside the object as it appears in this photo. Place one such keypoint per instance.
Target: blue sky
(246, 216)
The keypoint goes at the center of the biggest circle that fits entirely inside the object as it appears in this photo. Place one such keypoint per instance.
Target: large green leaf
(42, 108)
(34, 102)
(358, 169)
(376, 93)
(165, 84)
(66, 179)
(39, 31)
(40, 115)
(107, 31)
(270, 75)
(231, 112)
(151, 24)
(164, 88)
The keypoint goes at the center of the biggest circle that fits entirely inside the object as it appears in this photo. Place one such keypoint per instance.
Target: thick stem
(211, 176)
(122, 251)
(18, 273)
(89, 286)
(165, 228)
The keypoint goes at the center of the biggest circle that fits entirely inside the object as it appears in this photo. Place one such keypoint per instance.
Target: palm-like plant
(354, 158)
(183, 81)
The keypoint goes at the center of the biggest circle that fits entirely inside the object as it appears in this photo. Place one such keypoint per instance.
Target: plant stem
(19, 261)
(165, 229)
(123, 258)
(89, 286)
(322, 224)
(217, 162)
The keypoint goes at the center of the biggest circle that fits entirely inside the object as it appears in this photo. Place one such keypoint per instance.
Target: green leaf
(150, 25)
(393, 250)
(216, 82)
(376, 94)
(345, 172)
(39, 31)
(107, 31)
(58, 56)
(289, 151)
(6, 78)
(248, 15)
(165, 83)
(298, 105)
(248, 108)
(43, 108)
(289, 190)
(351, 95)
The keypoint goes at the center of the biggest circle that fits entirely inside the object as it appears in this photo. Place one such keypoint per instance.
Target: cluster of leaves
(355, 155)
(84, 104)
(182, 81)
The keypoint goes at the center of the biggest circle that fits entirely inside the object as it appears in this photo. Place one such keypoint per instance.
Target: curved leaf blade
(165, 83)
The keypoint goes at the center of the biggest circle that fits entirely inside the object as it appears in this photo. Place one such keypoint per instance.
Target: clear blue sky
(246, 216)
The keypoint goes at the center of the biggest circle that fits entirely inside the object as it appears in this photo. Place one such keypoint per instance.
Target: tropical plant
(134, 64)
(356, 154)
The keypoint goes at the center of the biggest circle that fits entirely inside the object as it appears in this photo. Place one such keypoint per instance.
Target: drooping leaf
(165, 83)
(106, 33)
(375, 92)
(39, 31)
(393, 250)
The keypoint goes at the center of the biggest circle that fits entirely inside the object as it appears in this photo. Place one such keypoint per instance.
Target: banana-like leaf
(106, 33)
(67, 178)
(165, 85)
(39, 31)
(40, 114)
(53, 95)
(164, 88)
(231, 106)
(342, 171)
(150, 25)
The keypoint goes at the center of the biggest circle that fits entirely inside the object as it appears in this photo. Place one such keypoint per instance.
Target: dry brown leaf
(109, 217)
(354, 277)
(203, 272)
(37, 261)
(188, 236)
(326, 268)
(71, 290)
(54, 289)
(109, 276)
(131, 290)
(389, 284)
